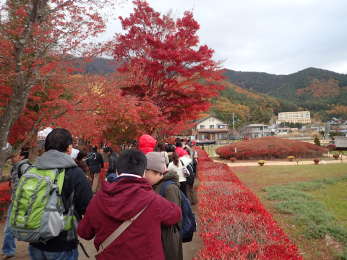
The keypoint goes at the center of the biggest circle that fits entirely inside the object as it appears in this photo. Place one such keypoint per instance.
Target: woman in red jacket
(121, 199)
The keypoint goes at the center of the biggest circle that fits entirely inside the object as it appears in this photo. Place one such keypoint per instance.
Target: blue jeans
(37, 254)
(9, 244)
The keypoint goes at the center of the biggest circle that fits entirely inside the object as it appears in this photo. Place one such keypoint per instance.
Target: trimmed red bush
(331, 147)
(270, 148)
(233, 223)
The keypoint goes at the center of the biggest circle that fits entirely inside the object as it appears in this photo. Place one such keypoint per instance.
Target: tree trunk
(22, 82)
(11, 114)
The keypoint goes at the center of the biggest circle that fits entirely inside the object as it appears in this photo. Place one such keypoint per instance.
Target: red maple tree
(163, 62)
(34, 36)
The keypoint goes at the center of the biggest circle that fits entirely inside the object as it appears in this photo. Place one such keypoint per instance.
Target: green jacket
(170, 235)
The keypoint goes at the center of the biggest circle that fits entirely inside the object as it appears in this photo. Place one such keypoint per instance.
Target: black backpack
(192, 173)
(188, 217)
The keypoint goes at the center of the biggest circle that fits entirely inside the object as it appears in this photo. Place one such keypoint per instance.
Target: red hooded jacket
(147, 143)
(120, 201)
(180, 151)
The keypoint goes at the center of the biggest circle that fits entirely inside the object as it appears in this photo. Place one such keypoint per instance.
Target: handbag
(185, 170)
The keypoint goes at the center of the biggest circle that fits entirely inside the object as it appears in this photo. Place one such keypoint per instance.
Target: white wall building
(302, 117)
(256, 130)
(211, 128)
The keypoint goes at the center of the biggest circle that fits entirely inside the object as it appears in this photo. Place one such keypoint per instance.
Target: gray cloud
(275, 36)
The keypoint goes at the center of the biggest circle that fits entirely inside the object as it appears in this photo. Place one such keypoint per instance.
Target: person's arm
(169, 212)
(85, 229)
(101, 160)
(172, 193)
(83, 193)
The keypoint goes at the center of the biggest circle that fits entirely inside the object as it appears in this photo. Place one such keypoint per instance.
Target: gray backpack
(37, 213)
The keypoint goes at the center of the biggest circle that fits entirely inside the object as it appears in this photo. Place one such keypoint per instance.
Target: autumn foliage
(164, 64)
(270, 148)
(36, 40)
(164, 78)
(233, 223)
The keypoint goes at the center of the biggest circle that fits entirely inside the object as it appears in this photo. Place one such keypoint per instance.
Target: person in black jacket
(58, 146)
(95, 164)
(112, 160)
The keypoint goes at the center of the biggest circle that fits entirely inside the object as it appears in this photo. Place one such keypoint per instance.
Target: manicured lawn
(334, 198)
(308, 201)
(260, 177)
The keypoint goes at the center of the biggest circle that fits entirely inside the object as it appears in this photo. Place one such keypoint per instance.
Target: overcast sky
(274, 36)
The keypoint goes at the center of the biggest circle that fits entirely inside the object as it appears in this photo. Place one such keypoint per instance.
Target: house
(285, 130)
(340, 142)
(302, 117)
(256, 130)
(336, 125)
(210, 128)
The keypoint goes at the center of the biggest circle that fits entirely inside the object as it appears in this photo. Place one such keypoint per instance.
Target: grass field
(308, 201)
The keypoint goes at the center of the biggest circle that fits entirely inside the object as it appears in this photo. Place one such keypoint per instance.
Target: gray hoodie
(53, 159)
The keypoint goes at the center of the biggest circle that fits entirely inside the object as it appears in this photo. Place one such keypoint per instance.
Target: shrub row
(269, 148)
(233, 223)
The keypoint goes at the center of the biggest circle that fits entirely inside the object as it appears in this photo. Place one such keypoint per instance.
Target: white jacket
(178, 169)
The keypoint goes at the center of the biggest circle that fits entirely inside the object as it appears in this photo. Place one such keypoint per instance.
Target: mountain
(313, 89)
(323, 92)
(244, 106)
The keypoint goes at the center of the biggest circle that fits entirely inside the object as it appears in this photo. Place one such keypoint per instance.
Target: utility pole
(233, 121)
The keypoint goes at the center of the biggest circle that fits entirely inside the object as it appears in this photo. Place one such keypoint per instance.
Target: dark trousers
(183, 187)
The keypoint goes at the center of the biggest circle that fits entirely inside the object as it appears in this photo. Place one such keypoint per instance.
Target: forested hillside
(317, 90)
(257, 96)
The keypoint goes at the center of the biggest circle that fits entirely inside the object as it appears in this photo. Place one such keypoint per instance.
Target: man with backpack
(20, 164)
(125, 215)
(166, 184)
(50, 196)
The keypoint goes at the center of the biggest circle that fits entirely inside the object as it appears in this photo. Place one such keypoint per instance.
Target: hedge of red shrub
(270, 148)
(233, 223)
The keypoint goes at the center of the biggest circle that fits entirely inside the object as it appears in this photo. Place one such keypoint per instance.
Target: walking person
(81, 162)
(20, 163)
(61, 203)
(146, 143)
(126, 215)
(179, 150)
(194, 156)
(161, 148)
(112, 160)
(177, 166)
(95, 163)
(166, 184)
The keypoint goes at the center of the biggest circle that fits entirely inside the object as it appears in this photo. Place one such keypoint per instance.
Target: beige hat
(156, 162)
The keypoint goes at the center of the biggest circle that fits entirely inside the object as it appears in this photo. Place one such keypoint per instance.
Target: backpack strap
(115, 234)
(23, 167)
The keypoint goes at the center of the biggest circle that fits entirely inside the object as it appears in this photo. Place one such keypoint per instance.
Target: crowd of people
(140, 210)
